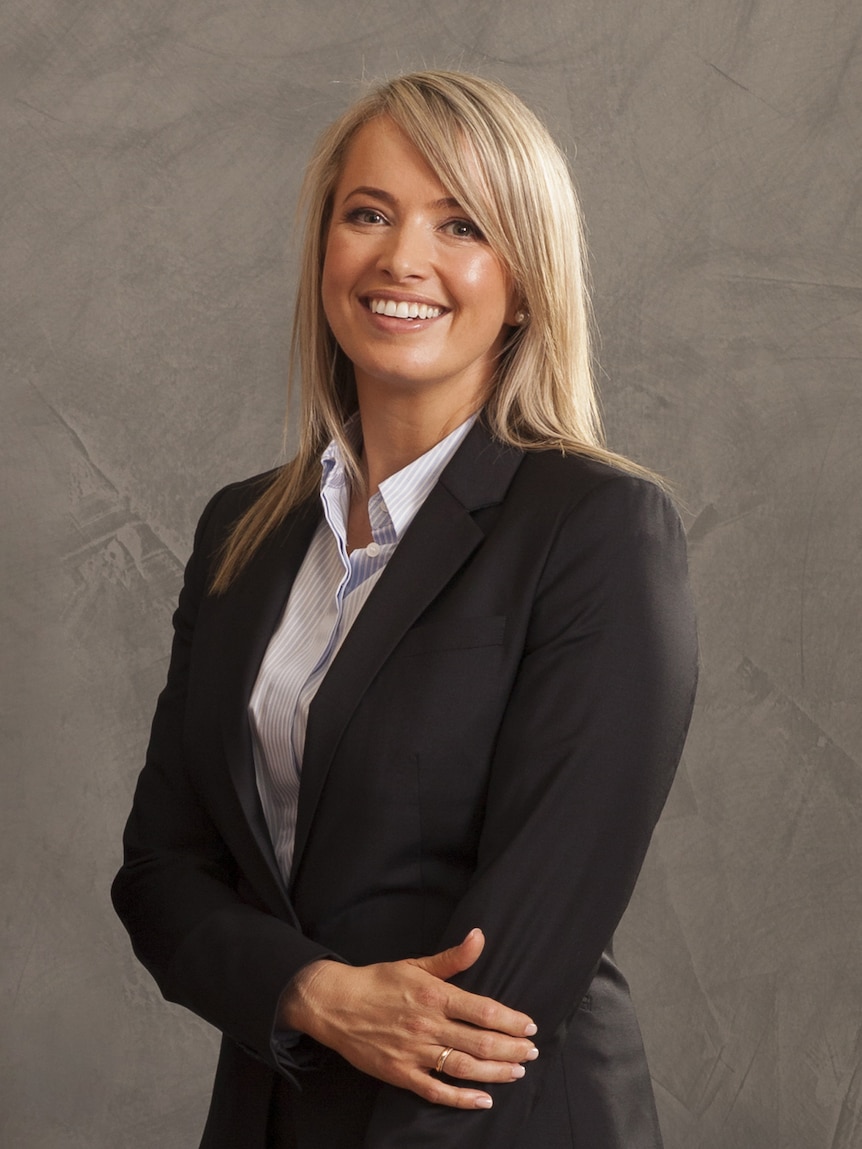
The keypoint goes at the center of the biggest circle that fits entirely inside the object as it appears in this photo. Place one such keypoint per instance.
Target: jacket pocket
(454, 634)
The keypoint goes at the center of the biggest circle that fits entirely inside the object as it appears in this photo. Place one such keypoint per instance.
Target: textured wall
(151, 152)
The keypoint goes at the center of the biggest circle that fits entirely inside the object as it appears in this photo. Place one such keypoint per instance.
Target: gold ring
(441, 1060)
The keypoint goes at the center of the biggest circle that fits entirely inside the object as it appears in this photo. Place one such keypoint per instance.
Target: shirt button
(372, 550)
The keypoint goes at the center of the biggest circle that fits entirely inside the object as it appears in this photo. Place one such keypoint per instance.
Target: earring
(521, 318)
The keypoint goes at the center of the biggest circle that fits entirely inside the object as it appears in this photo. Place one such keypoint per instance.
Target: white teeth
(404, 310)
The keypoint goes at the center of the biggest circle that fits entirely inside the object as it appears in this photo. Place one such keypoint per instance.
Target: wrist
(295, 1008)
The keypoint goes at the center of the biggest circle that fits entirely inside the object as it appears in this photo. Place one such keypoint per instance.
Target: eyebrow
(388, 198)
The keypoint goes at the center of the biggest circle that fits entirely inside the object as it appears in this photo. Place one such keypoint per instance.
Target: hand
(393, 1020)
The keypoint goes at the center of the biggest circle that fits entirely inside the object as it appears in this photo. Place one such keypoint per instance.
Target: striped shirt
(329, 591)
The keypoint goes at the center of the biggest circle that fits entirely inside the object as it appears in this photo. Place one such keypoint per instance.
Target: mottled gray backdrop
(150, 157)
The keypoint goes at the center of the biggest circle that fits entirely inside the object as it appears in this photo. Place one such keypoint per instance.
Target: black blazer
(492, 746)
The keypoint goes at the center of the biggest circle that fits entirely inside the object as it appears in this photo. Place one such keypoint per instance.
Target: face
(414, 295)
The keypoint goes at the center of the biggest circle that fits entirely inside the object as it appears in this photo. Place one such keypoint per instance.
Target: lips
(403, 308)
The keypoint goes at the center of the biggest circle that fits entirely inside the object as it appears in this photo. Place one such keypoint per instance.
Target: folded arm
(228, 959)
(592, 735)
(207, 947)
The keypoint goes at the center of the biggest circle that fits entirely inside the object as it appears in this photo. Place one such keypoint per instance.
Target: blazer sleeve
(587, 750)
(208, 948)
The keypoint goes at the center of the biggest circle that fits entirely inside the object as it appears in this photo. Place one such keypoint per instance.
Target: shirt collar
(402, 494)
(406, 490)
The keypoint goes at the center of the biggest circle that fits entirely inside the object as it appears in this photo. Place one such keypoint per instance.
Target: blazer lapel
(253, 608)
(439, 540)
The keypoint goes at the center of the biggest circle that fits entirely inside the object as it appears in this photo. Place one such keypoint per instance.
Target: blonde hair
(501, 164)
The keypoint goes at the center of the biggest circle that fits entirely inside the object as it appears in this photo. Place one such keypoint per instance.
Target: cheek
(331, 269)
(333, 282)
(340, 261)
(478, 272)
(483, 276)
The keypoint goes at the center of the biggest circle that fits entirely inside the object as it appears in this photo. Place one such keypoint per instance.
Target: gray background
(151, 154)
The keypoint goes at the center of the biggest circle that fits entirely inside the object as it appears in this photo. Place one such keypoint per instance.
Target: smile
(404, 310)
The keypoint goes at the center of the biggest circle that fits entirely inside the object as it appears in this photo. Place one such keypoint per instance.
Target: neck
(395, 434)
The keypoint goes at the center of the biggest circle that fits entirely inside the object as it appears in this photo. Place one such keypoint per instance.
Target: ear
(516, 310)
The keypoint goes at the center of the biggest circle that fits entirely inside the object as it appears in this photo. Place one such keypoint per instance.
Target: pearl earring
(521, 317)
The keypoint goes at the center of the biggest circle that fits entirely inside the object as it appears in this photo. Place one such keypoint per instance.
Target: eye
(367, 215)
(462, 229)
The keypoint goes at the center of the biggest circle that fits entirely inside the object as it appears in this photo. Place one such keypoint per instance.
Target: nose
(406, 251)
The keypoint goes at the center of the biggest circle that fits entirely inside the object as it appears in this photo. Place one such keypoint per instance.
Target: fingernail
(531, 1030)
(470, 935)
(484, 1102)
(518, 1071)
(532, 1055)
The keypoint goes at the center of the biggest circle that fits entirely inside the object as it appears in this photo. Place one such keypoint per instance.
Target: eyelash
(360, 215)
(356, 215)
(474, 231)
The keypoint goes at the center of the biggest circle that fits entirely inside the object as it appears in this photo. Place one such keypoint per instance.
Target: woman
(430, 681)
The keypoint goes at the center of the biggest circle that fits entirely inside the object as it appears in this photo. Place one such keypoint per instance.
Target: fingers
(484, 1047)
(463, 1066)
(487, 1014)
(455, 960)
(441, 1093)
(393, 1020)
(480, 1011)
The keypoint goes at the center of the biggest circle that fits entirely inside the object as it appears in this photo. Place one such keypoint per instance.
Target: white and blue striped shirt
(327, 595)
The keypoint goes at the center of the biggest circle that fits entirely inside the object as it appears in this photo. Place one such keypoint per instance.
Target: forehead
(381, 154)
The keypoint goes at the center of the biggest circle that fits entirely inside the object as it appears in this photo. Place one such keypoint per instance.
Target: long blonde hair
(501, 164)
